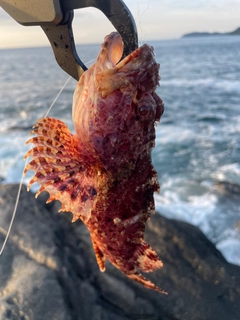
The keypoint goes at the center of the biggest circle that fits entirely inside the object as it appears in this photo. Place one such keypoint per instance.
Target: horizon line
(79, 44)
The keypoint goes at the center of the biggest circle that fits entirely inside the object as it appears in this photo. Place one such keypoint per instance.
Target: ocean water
(197, 153)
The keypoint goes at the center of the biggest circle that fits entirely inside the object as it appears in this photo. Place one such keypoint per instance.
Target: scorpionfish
(103, 174)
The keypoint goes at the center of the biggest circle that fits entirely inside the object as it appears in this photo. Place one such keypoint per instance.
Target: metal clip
(55, 18)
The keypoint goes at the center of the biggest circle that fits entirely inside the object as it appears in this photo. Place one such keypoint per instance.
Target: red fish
(103, 174)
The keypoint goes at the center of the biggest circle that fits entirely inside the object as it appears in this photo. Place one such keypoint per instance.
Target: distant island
(206, 34)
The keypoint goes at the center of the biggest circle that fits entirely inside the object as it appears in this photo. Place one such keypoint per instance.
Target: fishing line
(62, 90)
(140, 15)
(26, 163)
(14, 211)
(21, 181)
(50, 108)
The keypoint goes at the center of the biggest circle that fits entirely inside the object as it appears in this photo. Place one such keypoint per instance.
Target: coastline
(235, 32)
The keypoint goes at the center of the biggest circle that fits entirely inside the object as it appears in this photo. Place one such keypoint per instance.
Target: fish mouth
(111, 73)
(111, 53)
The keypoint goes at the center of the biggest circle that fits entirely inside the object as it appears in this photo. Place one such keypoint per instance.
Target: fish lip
(112, 51)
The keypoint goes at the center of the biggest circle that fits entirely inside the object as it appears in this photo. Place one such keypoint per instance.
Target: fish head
(115, 106)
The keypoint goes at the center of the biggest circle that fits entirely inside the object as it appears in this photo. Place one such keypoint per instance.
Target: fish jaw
(115, 106)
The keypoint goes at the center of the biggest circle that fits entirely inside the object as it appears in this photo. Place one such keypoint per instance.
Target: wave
(221, 84)
(230, 250)
(211, 205)
(229, 173)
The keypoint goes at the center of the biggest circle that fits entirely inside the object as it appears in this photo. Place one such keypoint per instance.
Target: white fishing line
(54, 101)
(26, 162)
(87, 64)
(14, 211)
(21, 181)
(140, 15)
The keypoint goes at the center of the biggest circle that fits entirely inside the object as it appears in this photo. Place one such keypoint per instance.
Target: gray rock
(48, 271)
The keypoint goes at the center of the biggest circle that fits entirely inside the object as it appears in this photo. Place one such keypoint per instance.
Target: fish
(103, 172)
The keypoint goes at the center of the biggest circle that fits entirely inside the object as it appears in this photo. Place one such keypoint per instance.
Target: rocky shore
(48, 271)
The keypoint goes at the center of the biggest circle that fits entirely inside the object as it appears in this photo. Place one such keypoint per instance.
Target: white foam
(171, 133)
(193, 211)
(229, 172)
(199, 204)
(230, 249)
(221, 84)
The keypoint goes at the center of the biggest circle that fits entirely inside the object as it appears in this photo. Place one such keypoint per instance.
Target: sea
(197, 152)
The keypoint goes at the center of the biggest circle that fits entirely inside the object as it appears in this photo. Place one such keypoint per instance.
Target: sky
(155, 20)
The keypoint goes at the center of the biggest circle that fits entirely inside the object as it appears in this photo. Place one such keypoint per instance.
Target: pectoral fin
(61, 168)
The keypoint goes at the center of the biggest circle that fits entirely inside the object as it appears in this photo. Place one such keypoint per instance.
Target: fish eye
(146, 112)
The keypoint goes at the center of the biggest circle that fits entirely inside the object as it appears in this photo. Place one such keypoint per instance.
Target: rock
(48, 271)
